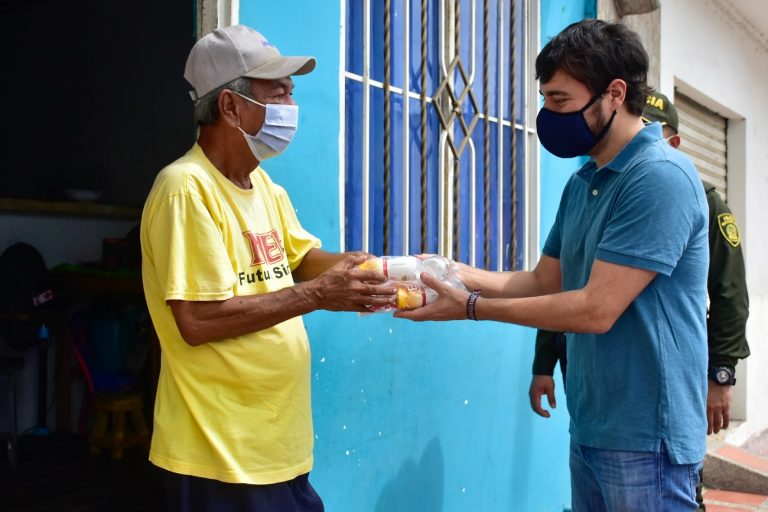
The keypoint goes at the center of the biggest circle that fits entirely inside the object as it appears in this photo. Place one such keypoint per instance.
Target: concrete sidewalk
(732, 501)
(736, 477)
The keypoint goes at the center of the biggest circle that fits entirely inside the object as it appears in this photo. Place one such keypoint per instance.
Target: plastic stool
(9, 365)
(111, 412)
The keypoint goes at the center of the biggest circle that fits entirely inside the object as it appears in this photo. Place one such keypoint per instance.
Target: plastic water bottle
(407, 268)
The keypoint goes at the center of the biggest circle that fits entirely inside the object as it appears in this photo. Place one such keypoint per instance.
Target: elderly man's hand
(718, 406)
(345, 288)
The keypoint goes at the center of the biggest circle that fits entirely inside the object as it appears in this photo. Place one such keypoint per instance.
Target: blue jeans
(618, 481)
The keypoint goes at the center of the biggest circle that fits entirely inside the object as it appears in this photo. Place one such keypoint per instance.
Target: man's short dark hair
(594, 52)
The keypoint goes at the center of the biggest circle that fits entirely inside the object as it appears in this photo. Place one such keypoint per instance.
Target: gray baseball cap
(238, 51)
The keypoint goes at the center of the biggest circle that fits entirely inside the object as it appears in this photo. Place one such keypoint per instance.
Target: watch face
(723, 376)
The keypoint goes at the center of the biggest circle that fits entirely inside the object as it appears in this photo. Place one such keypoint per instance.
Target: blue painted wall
(309, 168)
(408, 417)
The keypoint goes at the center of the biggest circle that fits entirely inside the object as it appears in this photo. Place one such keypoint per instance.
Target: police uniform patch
(728, 228)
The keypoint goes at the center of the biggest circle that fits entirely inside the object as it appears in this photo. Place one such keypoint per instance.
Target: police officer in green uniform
(728, 302)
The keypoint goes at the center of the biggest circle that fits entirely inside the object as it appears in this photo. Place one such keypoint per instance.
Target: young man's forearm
(594, 308)
(571, 311)
(545, 279)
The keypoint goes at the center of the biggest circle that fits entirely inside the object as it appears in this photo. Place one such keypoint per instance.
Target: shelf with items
(68, 208)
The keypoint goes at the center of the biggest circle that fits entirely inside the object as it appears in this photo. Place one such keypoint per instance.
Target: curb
(731, 468)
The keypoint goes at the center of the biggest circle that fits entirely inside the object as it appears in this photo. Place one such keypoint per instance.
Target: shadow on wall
(416, 487)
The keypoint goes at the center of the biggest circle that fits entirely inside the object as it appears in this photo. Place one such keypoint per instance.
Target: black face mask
(567, 134)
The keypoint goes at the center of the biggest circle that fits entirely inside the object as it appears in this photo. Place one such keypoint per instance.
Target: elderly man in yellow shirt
(228, 271)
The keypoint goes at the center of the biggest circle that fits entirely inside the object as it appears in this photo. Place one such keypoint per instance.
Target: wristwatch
(722, 375)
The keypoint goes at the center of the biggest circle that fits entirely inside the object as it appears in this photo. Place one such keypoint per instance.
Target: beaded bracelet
(471, 301)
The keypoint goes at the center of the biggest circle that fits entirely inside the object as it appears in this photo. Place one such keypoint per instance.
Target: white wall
(709, 53)
(62, 239)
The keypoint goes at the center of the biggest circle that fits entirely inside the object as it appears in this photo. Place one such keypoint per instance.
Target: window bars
(449, 123)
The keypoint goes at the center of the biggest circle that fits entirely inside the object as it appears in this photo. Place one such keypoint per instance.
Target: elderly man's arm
(317, 261)
(340, 288)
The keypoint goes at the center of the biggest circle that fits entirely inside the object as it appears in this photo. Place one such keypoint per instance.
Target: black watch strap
(722, 375)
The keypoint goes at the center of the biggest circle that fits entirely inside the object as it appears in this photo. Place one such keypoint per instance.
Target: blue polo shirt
(644, 382)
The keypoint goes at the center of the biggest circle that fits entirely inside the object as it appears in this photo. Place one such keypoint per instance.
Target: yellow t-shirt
(236, 410)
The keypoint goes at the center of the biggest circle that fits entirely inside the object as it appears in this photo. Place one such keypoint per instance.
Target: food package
(404, 273)
(408, 268)
(412, 295)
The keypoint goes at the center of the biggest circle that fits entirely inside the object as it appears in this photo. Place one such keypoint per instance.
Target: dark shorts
(192, 494)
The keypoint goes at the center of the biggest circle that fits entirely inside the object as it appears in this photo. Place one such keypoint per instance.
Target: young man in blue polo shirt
(623, 271)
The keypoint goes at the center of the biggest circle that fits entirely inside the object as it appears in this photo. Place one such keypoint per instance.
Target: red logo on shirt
(265, 247)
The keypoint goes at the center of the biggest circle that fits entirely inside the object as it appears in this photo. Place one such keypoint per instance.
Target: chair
(9, 366)
(110, 428)
(114, 402)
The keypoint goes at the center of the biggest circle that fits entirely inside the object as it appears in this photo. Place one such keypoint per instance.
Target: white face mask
(280, 124)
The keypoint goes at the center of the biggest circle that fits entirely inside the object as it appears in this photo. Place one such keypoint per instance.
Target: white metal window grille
(439, 155)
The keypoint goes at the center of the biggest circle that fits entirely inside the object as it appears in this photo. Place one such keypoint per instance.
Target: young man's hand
(451, 303)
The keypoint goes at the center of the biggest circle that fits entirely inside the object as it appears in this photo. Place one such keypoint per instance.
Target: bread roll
(395, 268)
(414, 295)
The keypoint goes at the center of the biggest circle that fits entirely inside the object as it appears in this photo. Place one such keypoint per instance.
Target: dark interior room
(96, 105)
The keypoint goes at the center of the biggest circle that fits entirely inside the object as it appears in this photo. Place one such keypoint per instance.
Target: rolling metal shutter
(703, 133)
